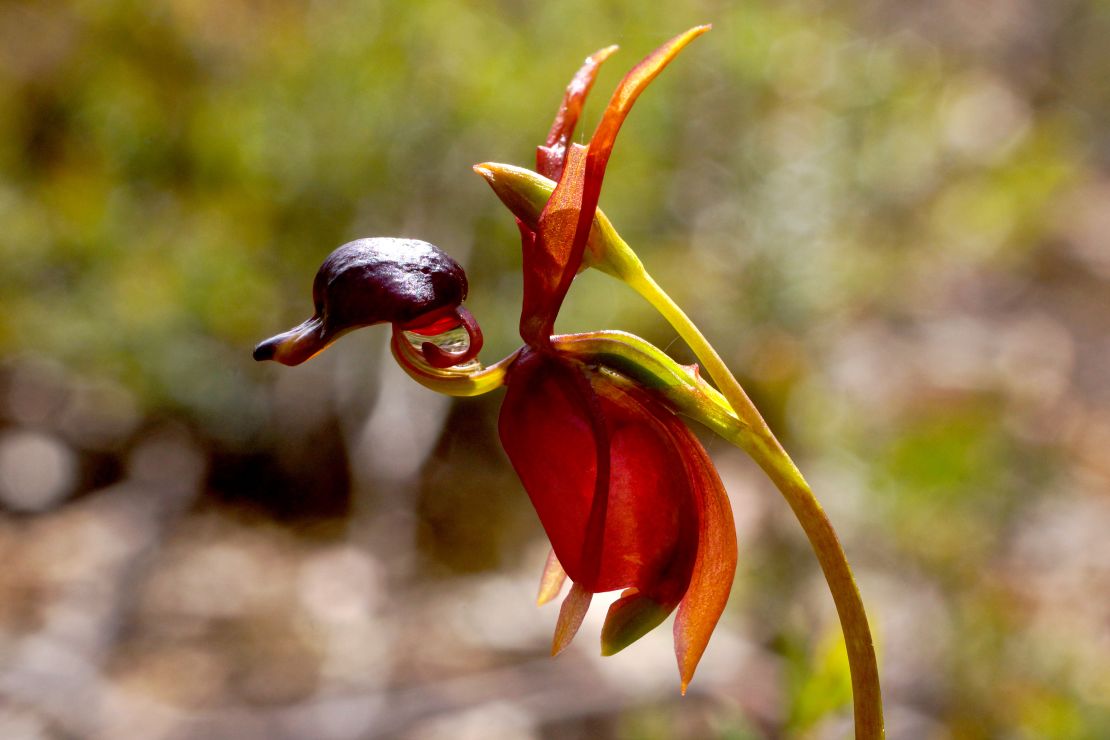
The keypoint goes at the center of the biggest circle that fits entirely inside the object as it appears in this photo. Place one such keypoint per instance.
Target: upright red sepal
(552, 259)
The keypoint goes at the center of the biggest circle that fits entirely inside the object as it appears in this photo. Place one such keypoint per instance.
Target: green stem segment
(762, 445)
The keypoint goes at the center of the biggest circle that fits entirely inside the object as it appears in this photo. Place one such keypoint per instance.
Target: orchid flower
(592, 423)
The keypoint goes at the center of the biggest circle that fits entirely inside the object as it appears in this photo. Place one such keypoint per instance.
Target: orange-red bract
(553, 256)
(629, 500)
(626, 493)
(552, 153)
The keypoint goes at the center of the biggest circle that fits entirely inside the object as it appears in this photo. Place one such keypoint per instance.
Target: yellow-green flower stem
(525, 193)
(770, 455)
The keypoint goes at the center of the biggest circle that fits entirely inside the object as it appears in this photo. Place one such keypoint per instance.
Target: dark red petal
(646, 536)
(551, 156)
(666, 531)
(551, 432)
(652, 524)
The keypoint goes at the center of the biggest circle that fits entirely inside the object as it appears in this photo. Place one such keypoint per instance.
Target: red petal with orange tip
(564, 225)
(638, 78)
(601, 145)
(552, 154)
(705, 588)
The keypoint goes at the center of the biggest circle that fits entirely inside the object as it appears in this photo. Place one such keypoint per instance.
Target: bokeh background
(892, 218)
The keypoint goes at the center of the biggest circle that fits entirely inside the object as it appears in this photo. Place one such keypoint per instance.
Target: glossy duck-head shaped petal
(409, 283)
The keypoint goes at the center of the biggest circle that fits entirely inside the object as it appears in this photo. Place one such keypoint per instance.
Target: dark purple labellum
(409, 283)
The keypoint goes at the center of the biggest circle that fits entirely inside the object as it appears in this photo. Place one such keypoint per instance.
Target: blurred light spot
(219, 580)
(1059, 559)
(340, 585)
(1083, 218)
(983, 117)
(500, 613)
(37, 471)
(184, 676)
(1035, 359)
(495, 719)
(356, 653)
(955, 348)
(167, 454)
(18, 724)
(404, 426)
(870, 368)
(328, 718)
(100, 414)
(915, 625)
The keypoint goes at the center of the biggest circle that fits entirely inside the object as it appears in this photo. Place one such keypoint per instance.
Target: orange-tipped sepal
(573, 611)
(714, 565)
(552, 154)
(552, 580)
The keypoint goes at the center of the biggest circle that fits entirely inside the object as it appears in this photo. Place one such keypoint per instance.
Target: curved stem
(765, 449)
(463, 381)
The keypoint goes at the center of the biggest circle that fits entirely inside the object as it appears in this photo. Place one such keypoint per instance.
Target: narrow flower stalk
(763, 447)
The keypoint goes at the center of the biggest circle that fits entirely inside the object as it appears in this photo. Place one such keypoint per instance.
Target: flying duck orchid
(592, 423)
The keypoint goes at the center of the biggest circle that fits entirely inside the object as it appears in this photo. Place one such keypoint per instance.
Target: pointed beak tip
(264, 351)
